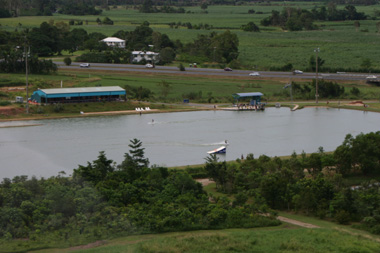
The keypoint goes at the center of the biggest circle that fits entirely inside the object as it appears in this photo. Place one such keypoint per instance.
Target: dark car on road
(227, 69)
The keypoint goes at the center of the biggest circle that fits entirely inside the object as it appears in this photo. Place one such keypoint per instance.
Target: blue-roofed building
(248, 101)
(254, 98)
(77, 95)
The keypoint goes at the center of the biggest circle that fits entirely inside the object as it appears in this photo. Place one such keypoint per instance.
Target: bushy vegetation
(104, 199)
(14, 62)
(313, 184)
(296, 19)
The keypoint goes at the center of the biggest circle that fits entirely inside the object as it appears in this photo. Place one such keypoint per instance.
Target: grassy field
(341, 45)
(286, 238)
(213, 90)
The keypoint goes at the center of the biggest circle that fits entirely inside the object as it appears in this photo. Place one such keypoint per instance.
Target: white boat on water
(220, 150)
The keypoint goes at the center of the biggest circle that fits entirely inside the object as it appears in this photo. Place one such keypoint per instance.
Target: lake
(174, 139)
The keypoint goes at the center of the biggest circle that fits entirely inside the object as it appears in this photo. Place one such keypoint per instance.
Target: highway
(215, 72)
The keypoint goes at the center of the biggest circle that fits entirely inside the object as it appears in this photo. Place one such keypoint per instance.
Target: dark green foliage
(103, 199)
(167, 55)
(221, 47)
(67, 61)
(181, 67)
(147, 6)
(138, 93)
(295, 19)
(307, 183)
(107, 21)
(361, 153)
(14, 62)
(355, 91)
(4, 13)
(78, 8)
(312, 63)
(5, 103)
(290, 19)
(250, 27)
(326, 89)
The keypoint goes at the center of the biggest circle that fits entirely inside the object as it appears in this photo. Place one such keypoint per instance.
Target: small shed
(76, 95)
(253, 98)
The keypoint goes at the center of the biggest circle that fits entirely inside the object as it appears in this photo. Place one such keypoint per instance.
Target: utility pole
(316, 75)
(26, 75)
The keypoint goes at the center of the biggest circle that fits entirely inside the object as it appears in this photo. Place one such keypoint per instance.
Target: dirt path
(296, 222)
(207, 181)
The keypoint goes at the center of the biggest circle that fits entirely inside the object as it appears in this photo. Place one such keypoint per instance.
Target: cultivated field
(341, 44)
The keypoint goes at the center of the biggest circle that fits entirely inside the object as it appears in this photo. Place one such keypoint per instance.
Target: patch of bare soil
(10, 111)
(356, 103)
(204, 181)
(296, 222)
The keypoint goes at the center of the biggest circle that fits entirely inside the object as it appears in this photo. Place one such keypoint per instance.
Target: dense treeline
(87, 7)
(313, 184)
(48, 7)
(295, 19)
(103, 199)
(13, 56)
(53, 38)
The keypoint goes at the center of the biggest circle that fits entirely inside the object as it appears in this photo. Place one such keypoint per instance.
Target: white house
(114, 42)
(149, 56)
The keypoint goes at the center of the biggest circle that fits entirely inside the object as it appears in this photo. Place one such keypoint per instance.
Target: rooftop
(81, 90)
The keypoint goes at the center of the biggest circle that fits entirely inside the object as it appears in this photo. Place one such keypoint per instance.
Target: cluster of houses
(137, 56)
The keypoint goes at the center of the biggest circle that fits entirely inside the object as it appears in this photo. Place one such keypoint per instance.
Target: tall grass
(251, 240)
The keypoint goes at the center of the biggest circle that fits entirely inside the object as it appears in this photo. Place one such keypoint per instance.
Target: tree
(67, 61)
(227, 45)
(204, 5)
(147, 6)
(250, 27)
(107, 21)
(366, 64)
(167, 55)
(181, 67)
(96, 171)
(312, 64)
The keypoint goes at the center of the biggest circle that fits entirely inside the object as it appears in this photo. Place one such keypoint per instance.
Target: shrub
(343, 217)
(67, 61)
(181, 67)
(58, 108)
(5, 103)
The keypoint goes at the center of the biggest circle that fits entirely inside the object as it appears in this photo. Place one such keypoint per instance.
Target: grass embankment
(286, 238)
(200, 89)
(341, 44)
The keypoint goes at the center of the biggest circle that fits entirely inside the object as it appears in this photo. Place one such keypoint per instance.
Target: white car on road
(297, 71)
(148, 65)
(254, 74)
(84, 65)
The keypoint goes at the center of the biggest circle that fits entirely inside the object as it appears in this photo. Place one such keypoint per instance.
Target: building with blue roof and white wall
(77, 95)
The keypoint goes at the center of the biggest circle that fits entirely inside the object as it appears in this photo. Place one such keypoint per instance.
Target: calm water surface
(174, 138)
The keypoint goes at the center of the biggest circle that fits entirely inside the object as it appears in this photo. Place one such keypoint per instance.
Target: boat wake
(224, 143)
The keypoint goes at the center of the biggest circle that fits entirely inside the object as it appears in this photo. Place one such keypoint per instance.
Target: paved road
(215, 72)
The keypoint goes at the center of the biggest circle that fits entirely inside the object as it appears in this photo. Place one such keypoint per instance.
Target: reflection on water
(172, 139)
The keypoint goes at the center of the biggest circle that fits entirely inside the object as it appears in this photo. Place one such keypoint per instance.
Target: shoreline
(197, 107)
